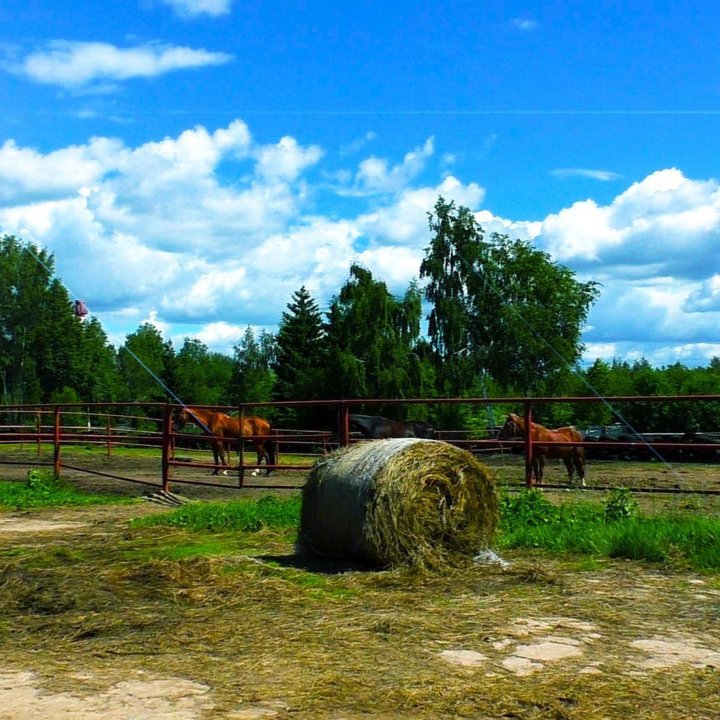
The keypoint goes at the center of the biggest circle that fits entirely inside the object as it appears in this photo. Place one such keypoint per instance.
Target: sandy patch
(550, 650)
(529, 657)
(21, 698)
(521, 666)
(668, 652)
(534, 626)
(16, 524)
(464, 658)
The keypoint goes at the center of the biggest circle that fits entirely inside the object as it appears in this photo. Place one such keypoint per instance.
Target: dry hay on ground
(95, 612)
(102, 618)
(421, 503)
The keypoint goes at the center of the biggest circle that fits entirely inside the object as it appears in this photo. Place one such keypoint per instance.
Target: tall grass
(528, 520)
(613, 529)
(696, 540)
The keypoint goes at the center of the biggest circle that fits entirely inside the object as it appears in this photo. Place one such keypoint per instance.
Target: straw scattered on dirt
(98, 618)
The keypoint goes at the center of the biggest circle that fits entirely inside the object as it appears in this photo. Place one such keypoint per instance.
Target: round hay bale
(404, 501)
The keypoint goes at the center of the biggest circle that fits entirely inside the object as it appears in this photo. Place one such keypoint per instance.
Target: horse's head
(181, 418)
(514, 427)
(361, 424)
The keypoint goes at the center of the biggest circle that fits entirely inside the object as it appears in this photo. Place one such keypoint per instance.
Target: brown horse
(377, 427)
(572, 455)
(224, 428)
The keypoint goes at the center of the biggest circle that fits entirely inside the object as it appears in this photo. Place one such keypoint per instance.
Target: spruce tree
(301, 358)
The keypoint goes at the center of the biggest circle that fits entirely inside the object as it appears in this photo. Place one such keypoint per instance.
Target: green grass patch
(42, 489)
(609, 529)
(240, 515)
(693, 540)
(208, 547)
(593, 530)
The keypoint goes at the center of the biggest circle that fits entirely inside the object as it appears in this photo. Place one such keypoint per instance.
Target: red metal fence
(128, 425)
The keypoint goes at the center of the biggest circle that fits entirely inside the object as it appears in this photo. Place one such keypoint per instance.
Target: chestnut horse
(223, 428)
(572, 455)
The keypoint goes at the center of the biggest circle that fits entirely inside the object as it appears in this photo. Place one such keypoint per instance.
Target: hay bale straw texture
(399, 502)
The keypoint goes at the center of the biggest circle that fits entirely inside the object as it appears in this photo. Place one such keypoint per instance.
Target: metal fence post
(529, 481)
(166, 436)
(56, 443)
(344, 412)
(241, 447)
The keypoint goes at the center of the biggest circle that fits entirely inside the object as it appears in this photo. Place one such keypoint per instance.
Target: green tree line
(494, 317)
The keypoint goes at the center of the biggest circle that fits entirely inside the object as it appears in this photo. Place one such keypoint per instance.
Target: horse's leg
(260, 452)
(229, 453)
(221, 452)
(540, 469)
(265, 452)
(579, 460)
(270, 453)
(530, 471)
(568, 460)
(218, 458)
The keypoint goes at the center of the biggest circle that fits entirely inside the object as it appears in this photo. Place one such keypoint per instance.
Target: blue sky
(194, 162)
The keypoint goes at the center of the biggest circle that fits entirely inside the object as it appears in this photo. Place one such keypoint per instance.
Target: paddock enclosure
(102, 618)
(139, 444)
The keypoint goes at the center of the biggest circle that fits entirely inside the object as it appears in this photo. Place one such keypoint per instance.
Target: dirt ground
(255, 636)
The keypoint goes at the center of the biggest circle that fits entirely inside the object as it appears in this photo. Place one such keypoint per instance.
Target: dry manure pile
(399, 502)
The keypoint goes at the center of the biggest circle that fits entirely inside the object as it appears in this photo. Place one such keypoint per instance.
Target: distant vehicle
(610, 432)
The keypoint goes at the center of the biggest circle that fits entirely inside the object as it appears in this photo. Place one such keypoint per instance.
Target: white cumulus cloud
(88, 65)
(25, 172)
(406, 220)
(287, 159)
(665, 224)
(193, 8)
(213, 231)
(377, 175)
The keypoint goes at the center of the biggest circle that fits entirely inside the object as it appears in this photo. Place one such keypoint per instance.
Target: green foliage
(241, 515)
(528, 508)
(42, 489)
(40, 481)
(144, 359)
(530, 521)
(621, 505)
(503, 318)
(640, 378)
(301, 360)
(499, 306)
(102, 382)
(201, 377)
(372, 339)
(252, 377)
(43, 346)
